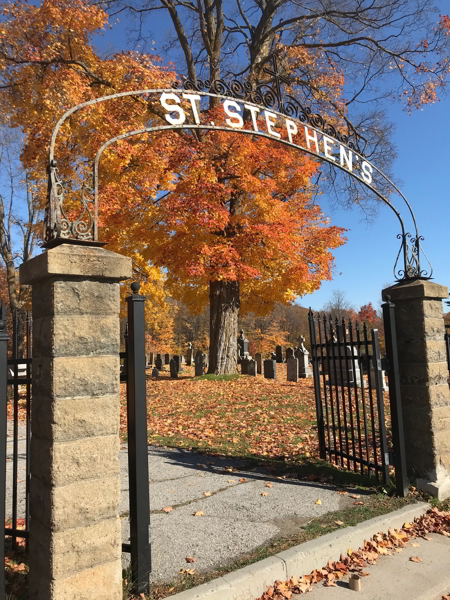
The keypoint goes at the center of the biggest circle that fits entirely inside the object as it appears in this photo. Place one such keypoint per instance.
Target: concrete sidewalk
(237, 517)
(395, 576)
(398, 577)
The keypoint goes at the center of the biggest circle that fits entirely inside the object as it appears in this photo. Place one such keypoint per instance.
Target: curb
(252, 581)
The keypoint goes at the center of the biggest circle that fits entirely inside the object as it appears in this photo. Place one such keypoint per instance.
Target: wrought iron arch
(58, 227)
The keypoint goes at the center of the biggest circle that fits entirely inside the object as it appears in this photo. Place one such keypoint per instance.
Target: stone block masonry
(75, 544)
(423, 380)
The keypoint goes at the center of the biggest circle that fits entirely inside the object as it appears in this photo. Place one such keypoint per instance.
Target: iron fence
(447, 343)
(352, 396)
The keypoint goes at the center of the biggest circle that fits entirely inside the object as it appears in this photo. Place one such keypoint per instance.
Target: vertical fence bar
(447, 345)
(372, 409)
(325, 396)
(315, 364)
(341, 344)
(398, 438)
(328, 342)
(351, 374)
(138, 443)
(3, 422)
(338, 408)
(28, 426)
(15, 355)
(363, 397)
(380, 403)
(358, 417)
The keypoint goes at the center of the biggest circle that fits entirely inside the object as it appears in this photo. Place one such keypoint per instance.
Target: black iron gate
(353, 398)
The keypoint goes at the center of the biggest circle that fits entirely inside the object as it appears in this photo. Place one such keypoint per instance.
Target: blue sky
(364, 265)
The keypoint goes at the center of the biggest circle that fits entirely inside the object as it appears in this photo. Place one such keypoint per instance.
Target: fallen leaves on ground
(318, 501)
(191, 559)
(381, 544)
(251, 415)
(167, 509)
(199, 513)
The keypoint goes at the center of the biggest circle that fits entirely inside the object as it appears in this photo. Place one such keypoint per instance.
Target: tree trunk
(224, 300)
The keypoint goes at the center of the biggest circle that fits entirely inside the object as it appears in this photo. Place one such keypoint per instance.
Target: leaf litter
(381, 544)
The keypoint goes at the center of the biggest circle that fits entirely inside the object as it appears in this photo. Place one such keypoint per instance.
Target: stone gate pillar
(423, 379)
(75, 542)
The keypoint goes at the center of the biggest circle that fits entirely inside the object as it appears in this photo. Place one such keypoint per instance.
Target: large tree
(385, 49)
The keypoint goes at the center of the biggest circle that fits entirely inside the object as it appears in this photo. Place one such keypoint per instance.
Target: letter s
(171, 109)
(366, 169)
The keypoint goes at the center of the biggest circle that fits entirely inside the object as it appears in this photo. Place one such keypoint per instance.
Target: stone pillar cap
(76, 261)
(417, 288)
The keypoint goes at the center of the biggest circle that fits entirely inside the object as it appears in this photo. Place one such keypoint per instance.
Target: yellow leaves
(318, 501)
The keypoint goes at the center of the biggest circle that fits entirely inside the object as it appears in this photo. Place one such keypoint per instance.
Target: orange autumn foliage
(234, 208)
(188, 210)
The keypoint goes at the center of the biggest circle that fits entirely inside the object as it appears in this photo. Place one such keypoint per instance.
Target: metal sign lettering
(278, 127)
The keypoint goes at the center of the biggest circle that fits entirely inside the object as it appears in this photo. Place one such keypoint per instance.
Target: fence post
(138, 443)
(398, 437)
(3, 421)
(316, 375)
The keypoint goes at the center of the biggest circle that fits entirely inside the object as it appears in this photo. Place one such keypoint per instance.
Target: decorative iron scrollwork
(270, 97)
(57, 221)
(411, 249)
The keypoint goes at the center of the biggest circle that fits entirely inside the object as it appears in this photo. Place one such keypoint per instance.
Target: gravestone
(258, 358)
(167, 359)
(189, 355)
(242, 346)
(270, 369)
(351, 374)
(173, 368)
(160, 357)
(150, 358)
(199, 363)
(384, 386)
(279, 354)
(292, 369)
(289, 353)
(155, 372)
(302, 355)
(251, 368)
(244, 366)
(178, 361)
